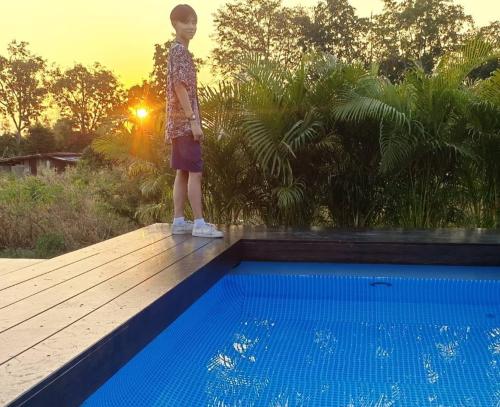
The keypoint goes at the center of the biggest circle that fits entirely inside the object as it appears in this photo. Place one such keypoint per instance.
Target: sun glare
(141, 113)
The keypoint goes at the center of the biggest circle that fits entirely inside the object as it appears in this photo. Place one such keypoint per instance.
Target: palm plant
(481, 177)
(351, 183)
(229, 173)
(422, 131)
(146, 159)
(277, 122)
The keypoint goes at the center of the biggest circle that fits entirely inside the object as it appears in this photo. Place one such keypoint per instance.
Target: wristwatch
(191, 118)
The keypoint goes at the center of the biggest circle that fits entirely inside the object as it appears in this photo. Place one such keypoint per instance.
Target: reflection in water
(432, 376)
(354, 354)
(336, 358)
(229, 382)
(382, 353)
(260, 342)
(325, 340)
(383, 400)
(494, 336)
(448, 350)
(285, 350)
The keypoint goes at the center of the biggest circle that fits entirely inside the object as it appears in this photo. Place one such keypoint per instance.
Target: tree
(490, 33)
(334, 27)
(145, 159)
(40, 139)
(64, 134)
(86, 96)
(419, 30)
(259, 26)
(23, 87)
(8, 145)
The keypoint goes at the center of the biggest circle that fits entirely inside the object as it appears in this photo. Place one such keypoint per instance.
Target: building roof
(71, 159)
(61, 156)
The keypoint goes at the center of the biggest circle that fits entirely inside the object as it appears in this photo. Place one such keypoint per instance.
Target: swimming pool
(322, 334)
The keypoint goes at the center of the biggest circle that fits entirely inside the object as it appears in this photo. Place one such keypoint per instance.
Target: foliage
(394, 123)
(40, 140)
(256, 26)
(432, 129)
(139, 147)
(51, 213)
(335, 144)
(86, 96)
(419, 30)
(23, 87)
(334, 27)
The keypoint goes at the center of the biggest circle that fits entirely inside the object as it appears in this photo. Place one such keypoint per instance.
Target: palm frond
(455, 66)
(289, 196)
(355, 108)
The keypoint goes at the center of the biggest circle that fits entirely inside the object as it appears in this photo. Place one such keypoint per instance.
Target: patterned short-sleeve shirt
(180, 69)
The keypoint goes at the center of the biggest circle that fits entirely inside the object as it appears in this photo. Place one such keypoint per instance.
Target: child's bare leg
(194, 193)
(180, 192)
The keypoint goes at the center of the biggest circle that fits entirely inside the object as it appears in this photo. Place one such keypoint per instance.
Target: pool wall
(369, 252)
(74, 382)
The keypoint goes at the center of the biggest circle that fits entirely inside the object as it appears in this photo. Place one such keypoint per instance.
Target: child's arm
(183, 97)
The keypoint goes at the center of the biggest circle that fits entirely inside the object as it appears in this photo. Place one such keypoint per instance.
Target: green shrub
(49, 245)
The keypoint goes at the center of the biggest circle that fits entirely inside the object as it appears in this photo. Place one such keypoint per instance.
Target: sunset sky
(121, 34)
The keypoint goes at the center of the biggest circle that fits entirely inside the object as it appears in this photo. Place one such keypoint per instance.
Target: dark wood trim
(431, 236)
(369, 252)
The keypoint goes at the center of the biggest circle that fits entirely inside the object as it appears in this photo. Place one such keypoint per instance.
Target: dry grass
(55, 213)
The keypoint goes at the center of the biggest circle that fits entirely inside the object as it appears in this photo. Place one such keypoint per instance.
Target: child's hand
(197, 132)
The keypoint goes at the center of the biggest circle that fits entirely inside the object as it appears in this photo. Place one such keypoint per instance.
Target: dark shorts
(186, 154)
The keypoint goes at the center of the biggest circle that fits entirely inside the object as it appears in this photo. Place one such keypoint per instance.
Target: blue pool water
(278, 334)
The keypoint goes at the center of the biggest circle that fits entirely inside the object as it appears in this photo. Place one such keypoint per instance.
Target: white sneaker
(182, 228)
(207, 230)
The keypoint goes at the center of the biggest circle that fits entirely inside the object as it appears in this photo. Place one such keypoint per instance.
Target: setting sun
(141, 113)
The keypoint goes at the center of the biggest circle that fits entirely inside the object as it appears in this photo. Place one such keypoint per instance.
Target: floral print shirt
(180, 69)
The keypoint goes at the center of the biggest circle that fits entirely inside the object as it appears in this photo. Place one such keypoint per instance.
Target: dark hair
(181, 13)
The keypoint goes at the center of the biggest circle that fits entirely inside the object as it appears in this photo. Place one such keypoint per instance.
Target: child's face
(187, 29)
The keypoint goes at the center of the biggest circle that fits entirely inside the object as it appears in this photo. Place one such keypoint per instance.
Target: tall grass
(53, 213)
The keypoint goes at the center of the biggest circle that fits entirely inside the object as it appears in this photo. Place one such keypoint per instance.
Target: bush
(52, 213)
(49, 245)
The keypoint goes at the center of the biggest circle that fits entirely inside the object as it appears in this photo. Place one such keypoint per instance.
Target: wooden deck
(10, 265)
(72, 312)
(53, 310)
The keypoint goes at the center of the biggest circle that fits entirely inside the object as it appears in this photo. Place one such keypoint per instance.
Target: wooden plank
(32, 305)
(148, 233)
(24, 335)
(38, 362)
(61, 283)
(84, 257)
(11, 265)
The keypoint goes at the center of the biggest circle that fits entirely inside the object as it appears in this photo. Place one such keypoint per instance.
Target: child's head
(184, 20)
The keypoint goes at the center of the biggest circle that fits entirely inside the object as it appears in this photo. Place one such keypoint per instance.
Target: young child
(183, 129)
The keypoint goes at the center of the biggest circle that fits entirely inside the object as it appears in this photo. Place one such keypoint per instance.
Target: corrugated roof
(57, 156)
(67, 159)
